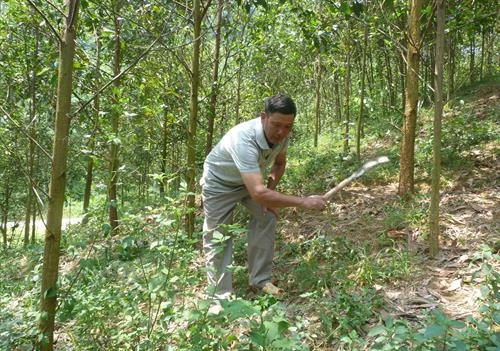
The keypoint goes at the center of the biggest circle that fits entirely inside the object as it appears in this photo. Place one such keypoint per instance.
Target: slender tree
(347, 89)
(32, 79)
(472, 57)
(96, 106)
(164, 148)
(115, 120)
(57, 186)
(436, 141)
(359, 125)
(317, 124)
(215, 79)
(407, 161)
(338, 97)
(451, 65)
(193, 117)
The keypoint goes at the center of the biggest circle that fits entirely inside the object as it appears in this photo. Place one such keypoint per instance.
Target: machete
(368, 165)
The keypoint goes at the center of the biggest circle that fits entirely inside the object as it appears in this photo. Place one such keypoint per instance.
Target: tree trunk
(48, 301)
(481, 64)
(96, 107)
(407, 161)
(362, 97)
(490, 50)
(36, 208)
(429, 79)
(193, 118)
(33, 223)
(472, 56)
(317, 129)
(347, 91)
(451, 66)
(32, 137)
(436, 144)
(402, 81)
(347, 100)
(88, 183)
(370, 77)
(338, 98)
(238, 91)
(215, 80)
(163, 157)
(115, 124)
(5, 211)
(390, 81)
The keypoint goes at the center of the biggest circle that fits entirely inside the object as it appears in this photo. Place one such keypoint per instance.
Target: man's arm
(254, 182)
(277, 171)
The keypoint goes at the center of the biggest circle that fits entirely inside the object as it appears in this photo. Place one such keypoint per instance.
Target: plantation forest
(108, 109)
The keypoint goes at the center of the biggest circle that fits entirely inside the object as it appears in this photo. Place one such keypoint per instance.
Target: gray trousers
(218, 209)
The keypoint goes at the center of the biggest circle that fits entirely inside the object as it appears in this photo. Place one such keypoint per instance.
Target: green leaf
(457, 324)
(106, 229)
(50, 292)
(377, 330)
(496, 317)
(434, 331)
(495, 338)
(460, 346)
(272, 331)
(283, 325)
(401, 329)
(262, 3)
(127, 242)
(218, 236)
(257, 337)
(89, 263)
(239, 309)
(345, 9)
(389, 5)
(357, 8)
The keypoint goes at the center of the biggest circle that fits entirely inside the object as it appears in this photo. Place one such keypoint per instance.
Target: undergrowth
(144, 289)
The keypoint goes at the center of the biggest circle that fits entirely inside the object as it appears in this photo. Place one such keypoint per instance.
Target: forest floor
(469, 231)
(362, 261)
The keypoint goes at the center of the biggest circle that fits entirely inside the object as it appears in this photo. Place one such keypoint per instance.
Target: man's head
(278, 117)
(280, 103)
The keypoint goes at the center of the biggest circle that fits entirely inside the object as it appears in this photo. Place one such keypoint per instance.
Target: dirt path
(18, 227)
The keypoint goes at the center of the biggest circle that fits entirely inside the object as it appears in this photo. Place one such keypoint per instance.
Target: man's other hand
(314, 202)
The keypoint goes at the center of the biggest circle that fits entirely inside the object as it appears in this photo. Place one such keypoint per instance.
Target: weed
(439, 332)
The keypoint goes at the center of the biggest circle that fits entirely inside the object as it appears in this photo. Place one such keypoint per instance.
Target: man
(234, 172)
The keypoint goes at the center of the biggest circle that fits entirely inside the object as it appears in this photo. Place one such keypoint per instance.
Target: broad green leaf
(257, 337)
(460, 346)
(434, 330)
(457, 324)
(106, 229)
(239, 309)
(379, 329)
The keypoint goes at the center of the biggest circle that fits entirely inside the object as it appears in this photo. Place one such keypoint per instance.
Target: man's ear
(263, 115)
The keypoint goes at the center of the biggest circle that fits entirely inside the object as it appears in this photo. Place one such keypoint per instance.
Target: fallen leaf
(455, 285)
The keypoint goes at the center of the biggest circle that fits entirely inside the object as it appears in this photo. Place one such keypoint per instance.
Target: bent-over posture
(234, 173)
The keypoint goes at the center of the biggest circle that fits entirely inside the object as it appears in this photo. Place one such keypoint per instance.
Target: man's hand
(274, 211)
(314, 202)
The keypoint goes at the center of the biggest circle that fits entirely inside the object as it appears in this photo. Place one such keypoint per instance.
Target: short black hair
(281, 103)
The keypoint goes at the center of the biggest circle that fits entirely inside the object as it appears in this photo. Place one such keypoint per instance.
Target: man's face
(276, 126)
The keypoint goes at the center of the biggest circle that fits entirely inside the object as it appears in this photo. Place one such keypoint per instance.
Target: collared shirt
(244, 149)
